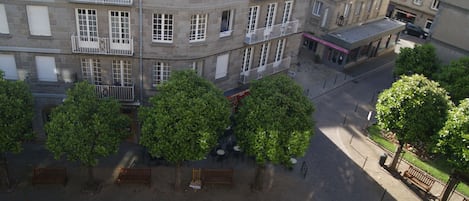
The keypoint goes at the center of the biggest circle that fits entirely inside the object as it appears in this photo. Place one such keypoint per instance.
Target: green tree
(274, 123)
(16, 111)
(421, 59)
(455, 78)
(414, 109)
(454, 144)
(184, 120)
(85, 128)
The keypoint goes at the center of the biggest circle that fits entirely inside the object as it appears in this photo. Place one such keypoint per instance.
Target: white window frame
(324, 17)
(3, 20)
(270, 17)
(8, 66)
(417, 2)
(358, 9)
(221, 69)
(91, 70)
(279, 51)
(161, 73)
(287, 10)
(119, 29)
(435, 4)
(264, 56)
(122, 73)
(163, 28)
(198, 31)
(87, 27)
(38, 20)
(317, 8)
(226, 25)
(247, 60)
(347, 8)
(253, 15)
(369, 6)
(198, 67)
(46, 69)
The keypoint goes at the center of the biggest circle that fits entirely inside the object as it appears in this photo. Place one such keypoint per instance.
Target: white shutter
(222, 66)
(46, 69)
(38, 19)
(3, 20)
(8, 66)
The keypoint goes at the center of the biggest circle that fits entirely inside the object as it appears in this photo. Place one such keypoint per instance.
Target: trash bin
(382, 159)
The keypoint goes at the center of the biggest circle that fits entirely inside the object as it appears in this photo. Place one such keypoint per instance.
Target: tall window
(163, 28)
(252, 19)
(120, 29)
(122, 73)
(247, 55)
(378, 7)
(198, 27)
(8, 66)
(287, 11)
(370, 5)
(226, 26)
(3, 20)
(161, 73)
(91, 71)
(263, 56)
(38, 20)
(347, 8)
(317, 8)
(270, 18)
(435, 4)
(222, 66)
(279, 50)
(358, 9)
(46, 70)
(87, 24)
(198, 67)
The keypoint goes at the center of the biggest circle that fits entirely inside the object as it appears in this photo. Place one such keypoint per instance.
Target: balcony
(268, 33)
(121, 93)
(105, 2)
(101, 45)
(263, 71)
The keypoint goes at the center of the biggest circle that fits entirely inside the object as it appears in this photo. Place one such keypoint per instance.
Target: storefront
(346, 47)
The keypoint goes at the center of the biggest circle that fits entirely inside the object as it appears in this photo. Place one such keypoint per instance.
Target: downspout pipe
(140, 47)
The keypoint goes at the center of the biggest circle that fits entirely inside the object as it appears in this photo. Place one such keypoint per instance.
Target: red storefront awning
(326, 43)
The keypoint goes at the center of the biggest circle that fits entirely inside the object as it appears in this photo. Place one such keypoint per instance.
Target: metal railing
(102, 45)
(276, 31)
(260, 72)
(121, 93)
(106, 2)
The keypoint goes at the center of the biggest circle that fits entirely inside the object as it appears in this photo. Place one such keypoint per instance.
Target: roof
(357, 36)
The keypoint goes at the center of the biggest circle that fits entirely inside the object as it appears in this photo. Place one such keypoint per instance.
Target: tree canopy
(184, 120)
(455, 78)
(17, 113)
(275, 123)
(421, 59)
(414, 109)
(85, 127)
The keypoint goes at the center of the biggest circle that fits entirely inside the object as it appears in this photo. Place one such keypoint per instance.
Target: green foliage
(16, 109)
(421, 59)
(85, 127)
(414, 108)
(454, 137)
(275, 121)
(185, 119)
(455, 78)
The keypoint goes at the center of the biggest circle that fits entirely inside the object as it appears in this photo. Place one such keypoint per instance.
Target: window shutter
(46, 69)
(222, 66)
(38, 19)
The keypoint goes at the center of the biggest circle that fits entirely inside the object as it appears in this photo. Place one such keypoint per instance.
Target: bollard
(324, 85)
(335, 79)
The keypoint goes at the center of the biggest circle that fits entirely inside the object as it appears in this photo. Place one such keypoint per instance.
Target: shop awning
(362, 35)
(325, 43)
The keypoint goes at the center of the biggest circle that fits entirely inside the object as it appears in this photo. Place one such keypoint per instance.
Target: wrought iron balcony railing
(268, 33)
(121, 93)
(263, 71)
(102, 45)
(106, 2)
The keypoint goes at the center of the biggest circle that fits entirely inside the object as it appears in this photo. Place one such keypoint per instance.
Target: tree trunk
(91, 180)
(396, 157)
(259, 178)
(449, 187)
(5, 170)
(177, 181)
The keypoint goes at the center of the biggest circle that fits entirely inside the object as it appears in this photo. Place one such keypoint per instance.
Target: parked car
(414, 30)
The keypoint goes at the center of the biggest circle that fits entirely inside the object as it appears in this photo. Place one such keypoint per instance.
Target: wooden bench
(419, 178)
(49, 176)
(134, 175)
(217, 176)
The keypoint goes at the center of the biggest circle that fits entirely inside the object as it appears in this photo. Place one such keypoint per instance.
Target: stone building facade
(419, 12)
